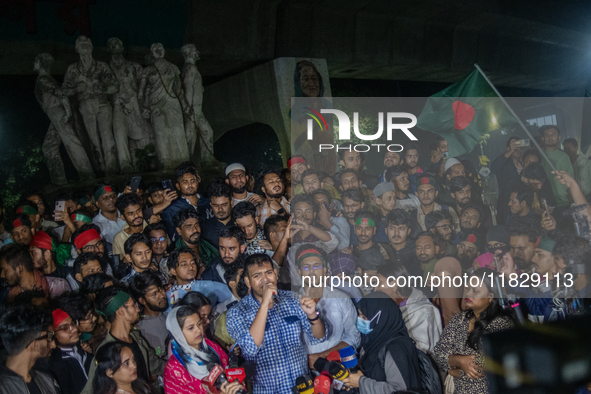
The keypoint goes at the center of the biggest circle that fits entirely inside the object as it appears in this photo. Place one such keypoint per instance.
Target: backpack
(430, 381)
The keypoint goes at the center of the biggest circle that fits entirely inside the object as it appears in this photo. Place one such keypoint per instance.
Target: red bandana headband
(58, 317)
(86, 237)
(295, 160)
(42, 240)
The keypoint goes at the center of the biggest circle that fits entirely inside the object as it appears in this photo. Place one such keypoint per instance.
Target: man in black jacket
(27, 335)
(68, 363)
(232, 246)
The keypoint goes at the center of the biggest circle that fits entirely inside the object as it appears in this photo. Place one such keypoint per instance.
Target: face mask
(364, 326)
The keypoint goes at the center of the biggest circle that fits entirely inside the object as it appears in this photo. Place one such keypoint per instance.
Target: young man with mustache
(275, 201)
(220, 199)
(108, 218)
(189, 229)
(186, 268)
(130, 209)
(138, 250)
(232, 245)
(187, 183)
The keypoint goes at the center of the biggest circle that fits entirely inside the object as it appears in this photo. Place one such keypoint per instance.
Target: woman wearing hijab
(382, 327)
(191, 354)
(459, 349)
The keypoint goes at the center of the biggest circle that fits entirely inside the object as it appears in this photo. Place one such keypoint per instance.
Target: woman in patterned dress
(459, 349)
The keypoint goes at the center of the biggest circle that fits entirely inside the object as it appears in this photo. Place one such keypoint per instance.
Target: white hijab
(195, 361)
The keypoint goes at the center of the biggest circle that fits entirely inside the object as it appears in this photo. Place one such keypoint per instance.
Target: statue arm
(188, 80)
(69, 87)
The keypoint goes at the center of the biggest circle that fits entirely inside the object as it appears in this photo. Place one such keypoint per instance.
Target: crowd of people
(151, 289)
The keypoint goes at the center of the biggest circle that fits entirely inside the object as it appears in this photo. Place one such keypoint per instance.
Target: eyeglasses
(91, 248)
(49, 337)
(161, 239)
(66, 327)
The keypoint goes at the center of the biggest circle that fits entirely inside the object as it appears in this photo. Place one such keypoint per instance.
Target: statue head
(114, 45)
(308, 80)
(83, 45)
(190, 51)
(149, 59)
(43, 61)
(157, 50)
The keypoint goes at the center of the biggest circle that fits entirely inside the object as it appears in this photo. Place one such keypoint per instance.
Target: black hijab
(390, 325)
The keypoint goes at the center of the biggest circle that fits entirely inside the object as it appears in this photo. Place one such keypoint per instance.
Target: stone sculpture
(131, 130)
(56, 105)
(161, 97)
(197, 128)
(92, 81)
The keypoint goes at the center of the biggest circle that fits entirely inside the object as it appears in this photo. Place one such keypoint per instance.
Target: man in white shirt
(334, 306)
(421, 317)
(237, 179)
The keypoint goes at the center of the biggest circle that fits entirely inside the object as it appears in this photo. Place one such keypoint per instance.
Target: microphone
(236, 374)
(322, 384)
(320, 364)
(348, 357)
(334, 356)
(212, 383)
(303, 385)
(276, 299)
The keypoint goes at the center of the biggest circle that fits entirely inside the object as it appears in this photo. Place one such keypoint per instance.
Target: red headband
(309, 251)
(42, 240)
(86, 237)
(58, 317)
(295, 160)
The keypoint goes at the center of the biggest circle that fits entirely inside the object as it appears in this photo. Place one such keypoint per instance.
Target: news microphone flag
(322, 384)
(348, 357)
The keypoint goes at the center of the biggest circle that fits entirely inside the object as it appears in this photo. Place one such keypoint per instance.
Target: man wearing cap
(297, 165)
(456, 167)
(121, 310)
(108, 218)
(68, 363)
(29, 208)
(469, 248)
(427, 191)
(237, 179)
(22, 230)
(49, 258)
(335, 307)
(386, 200)
(87, 239)
(365, 229)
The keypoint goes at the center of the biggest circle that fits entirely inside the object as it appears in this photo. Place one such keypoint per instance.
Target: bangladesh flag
(464, 112)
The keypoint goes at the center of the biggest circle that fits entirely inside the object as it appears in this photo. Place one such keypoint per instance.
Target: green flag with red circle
(464, 112)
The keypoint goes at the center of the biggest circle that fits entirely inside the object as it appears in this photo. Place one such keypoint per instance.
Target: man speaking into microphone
(268, 325)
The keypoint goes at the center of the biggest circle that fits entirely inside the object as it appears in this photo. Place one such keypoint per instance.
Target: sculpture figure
(131, 130)
(197, 128)
(92, 81)
(160, 95)
(56, 105)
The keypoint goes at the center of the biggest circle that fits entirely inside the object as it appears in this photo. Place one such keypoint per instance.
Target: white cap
(451, 162)
(234, 166)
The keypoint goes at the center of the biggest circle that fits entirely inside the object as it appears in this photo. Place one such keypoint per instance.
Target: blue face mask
(364, 326)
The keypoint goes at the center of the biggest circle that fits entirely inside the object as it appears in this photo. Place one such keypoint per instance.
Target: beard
(238, 190)
(193, 241)
(156, 308)
(463, 204)
(521, 263)
(465, 262)
(276, 195)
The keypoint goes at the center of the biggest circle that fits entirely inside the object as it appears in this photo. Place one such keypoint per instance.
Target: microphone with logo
(303, 385)
(323, 384)
(335, 369)
(349, 359)
(213, 382)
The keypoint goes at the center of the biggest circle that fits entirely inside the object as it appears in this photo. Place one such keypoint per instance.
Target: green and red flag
(464, 112)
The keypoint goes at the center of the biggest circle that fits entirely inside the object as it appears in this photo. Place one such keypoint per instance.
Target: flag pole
(532, 139)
